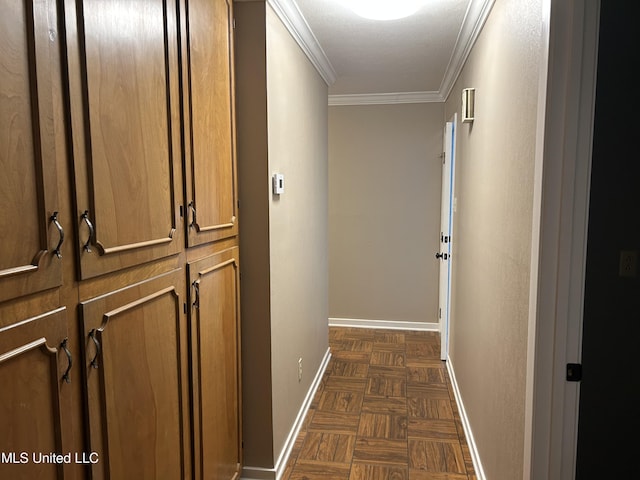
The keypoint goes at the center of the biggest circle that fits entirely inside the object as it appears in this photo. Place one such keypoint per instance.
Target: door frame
(558, 256)
(445, 247)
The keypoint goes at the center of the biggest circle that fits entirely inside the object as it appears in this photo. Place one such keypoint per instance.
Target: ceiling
(369, 57)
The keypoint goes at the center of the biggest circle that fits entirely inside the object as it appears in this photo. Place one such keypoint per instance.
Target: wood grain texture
(215, 344)
(125, 118)
(34, 401)
(28, 184)
(137, 388)
(209, 119)
(398, 420)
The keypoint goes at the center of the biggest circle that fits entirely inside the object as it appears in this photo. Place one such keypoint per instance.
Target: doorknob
(443, 256)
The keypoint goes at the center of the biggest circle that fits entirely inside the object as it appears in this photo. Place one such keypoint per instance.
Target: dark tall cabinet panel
(123, 69)
(215, 341)
(29, 218)
(137, 380)
(207, 52)
(34, 403)
(118, 200)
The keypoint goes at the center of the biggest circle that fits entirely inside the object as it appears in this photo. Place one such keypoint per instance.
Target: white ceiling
(410, 55)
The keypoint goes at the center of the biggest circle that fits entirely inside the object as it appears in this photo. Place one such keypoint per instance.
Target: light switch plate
(278, 183)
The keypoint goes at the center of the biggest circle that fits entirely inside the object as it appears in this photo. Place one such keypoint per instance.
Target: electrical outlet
(300, 369)
(628, 263)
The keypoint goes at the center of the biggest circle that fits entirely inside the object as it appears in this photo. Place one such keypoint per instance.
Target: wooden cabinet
(34, 403)
(209, 123)
(117, 146)
(215, 347)
(137, 380)
(123, 74)
(29, 218)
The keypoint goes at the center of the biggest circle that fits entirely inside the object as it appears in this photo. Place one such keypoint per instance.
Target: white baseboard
(473, 449)
(275, 473)
(386, 324)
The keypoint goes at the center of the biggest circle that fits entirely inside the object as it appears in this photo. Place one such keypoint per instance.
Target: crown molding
(290, 15)
(475, 18)
(386, 98)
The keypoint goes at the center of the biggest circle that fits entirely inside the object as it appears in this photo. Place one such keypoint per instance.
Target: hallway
(385, 410)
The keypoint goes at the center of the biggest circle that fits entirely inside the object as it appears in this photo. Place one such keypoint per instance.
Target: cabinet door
(28, 184)
(34, 401)
(215, 340)
(136, 369)
(123, 83)
(207, 67)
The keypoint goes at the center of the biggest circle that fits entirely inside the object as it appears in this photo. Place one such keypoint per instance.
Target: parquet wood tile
(432, 429)
(430, 408)
(319, 471)
(436, 456)
(364, 471)
(343, 368)
(384, 410)
(339, 401)
(388, 337)
(424, 350)
(327, 447)
(391, 405)
(381, 450)
(426, 375)
(387, 386)
(346, 384)
(382, 425)
(352, 357)
(388, 358)
(428, 390)
(336, 422)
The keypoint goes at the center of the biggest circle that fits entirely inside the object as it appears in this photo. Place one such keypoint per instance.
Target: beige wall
(384, 211)
(297, 119)
(282, 127)
(493, 231)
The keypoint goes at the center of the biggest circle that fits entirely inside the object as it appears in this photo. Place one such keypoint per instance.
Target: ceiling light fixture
(385, 9)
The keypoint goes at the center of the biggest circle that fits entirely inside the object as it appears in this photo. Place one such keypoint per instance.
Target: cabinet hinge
(181, 211)
(574, 372)
(234, 23)
(184, 306)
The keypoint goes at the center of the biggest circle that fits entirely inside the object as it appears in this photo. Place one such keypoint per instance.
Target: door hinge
(574, 372)
(234, 23)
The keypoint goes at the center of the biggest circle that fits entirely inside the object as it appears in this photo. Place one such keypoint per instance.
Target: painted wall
(282, 127)
(384, 211)
(297, 124)
(493, 231)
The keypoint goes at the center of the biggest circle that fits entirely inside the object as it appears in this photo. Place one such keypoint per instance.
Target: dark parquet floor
(385, 410)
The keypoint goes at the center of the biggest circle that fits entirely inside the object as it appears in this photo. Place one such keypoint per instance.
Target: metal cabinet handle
(85, 217)
(196, 287)
(67, 374)
(92, 336)
(54, 219)
(193, 215)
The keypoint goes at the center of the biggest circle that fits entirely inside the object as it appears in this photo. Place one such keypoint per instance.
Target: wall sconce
(468, 101)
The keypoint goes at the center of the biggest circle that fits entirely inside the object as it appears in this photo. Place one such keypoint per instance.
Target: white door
(446, 226)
